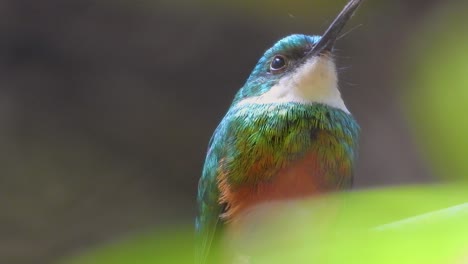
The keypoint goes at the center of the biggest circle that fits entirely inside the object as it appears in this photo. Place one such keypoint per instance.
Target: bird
(287, 135)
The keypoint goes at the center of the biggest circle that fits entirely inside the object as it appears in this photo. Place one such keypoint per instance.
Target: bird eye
(278, 63)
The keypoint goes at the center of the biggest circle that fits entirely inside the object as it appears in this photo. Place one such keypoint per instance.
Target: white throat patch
(314, 82)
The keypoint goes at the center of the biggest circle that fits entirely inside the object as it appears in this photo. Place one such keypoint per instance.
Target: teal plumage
(286, 135)
(275, 135)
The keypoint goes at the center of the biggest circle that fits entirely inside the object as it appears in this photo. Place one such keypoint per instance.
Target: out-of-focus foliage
(336, 229)
(437, 90)
(174, 246)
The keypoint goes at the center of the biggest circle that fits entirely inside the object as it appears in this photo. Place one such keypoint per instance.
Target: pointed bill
(328, 39)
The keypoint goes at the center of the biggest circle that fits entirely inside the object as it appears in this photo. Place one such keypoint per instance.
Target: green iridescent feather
(284, 132)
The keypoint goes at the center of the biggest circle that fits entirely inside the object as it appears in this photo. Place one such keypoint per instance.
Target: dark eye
(278, 63)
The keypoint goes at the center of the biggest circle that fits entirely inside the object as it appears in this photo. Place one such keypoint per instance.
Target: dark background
(106, 107)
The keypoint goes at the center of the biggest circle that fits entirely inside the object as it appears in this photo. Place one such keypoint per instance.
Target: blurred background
(106, 107)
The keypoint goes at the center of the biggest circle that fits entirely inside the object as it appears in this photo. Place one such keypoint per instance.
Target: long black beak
(328, 39)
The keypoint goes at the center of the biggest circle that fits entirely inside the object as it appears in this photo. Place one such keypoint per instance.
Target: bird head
(298, 68)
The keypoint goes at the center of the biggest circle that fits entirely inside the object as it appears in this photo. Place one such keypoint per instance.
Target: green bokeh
(174, 245)
(348, 235)
(436, 94)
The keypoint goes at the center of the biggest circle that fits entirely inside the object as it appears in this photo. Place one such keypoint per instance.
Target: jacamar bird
(287, 134)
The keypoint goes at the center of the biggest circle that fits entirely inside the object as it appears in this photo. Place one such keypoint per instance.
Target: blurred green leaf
(338, 228)
(436, 93)
(170, 246)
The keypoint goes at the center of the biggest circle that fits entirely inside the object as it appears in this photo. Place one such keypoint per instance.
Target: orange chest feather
(301, 178)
